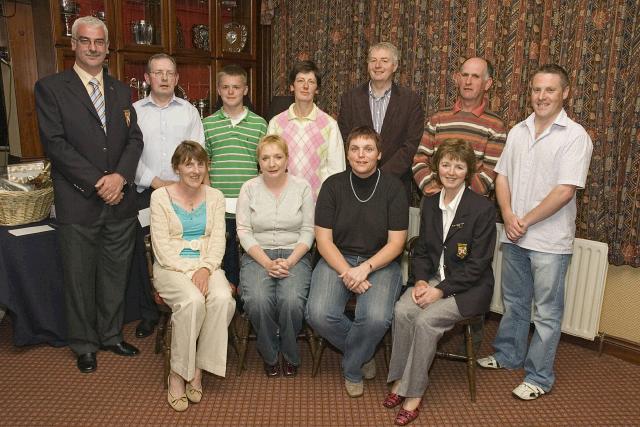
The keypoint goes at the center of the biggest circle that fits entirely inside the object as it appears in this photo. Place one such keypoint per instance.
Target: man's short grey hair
(387, 46)
(89, 21)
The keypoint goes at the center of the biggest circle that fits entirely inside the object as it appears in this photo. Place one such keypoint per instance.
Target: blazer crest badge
(127, 117)
(462, 250)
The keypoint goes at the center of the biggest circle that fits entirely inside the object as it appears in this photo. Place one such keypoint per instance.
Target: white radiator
(583, 291)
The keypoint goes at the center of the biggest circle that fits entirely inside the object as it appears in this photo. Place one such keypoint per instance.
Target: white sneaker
(369, 369)
(489, 362)
(528, 391)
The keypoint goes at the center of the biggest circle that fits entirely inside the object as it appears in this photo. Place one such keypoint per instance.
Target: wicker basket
(24, 207)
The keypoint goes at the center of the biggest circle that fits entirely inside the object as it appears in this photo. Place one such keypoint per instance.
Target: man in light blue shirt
(165, 121)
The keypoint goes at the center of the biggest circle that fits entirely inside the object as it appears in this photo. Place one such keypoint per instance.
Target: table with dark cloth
(31, 286)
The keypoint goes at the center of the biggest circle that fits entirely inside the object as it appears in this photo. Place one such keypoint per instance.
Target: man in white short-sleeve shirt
(546, 158)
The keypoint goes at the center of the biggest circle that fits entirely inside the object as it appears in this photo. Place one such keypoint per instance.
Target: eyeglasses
(85, 41)
(160, 74)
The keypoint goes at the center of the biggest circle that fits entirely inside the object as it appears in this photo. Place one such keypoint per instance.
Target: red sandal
(392, 400)
(404, 416)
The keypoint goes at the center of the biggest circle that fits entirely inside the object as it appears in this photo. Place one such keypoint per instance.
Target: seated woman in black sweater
(361, 222)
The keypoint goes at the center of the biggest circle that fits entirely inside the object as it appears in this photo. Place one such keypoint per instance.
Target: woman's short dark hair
(187, 151)
(365, 132)
(305, 67)
(455, 149)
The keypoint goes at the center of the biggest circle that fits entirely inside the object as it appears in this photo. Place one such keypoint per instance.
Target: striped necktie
(98, 102)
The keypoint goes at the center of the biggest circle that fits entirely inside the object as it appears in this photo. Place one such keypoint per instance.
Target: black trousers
(95, 261)
(148, 309)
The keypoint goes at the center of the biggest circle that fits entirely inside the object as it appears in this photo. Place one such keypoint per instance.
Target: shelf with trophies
(236, 20)
(202, 35)
(140, 25)
(191, 21)
(194, 79)
(65, 12)
(65, 58)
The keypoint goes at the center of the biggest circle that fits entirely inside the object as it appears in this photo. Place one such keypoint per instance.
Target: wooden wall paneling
(43, 30)
(264, 67)
(20, 30)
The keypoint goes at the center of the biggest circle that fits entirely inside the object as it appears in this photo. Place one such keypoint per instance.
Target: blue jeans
(275, 306)
(357, 339)
(527, 275)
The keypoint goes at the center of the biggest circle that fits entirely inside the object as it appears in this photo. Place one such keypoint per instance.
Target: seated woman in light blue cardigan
(275, 225)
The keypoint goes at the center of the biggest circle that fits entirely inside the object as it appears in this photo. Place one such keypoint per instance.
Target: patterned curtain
(598, 42)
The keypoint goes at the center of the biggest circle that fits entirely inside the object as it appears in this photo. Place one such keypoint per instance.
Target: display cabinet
(141, 25)
(202, 35)
(235, 28)
(65, 58)
(65, 12)
(196, 81)
(191, 21)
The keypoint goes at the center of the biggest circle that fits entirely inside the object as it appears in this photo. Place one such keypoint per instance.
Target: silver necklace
(354, 190)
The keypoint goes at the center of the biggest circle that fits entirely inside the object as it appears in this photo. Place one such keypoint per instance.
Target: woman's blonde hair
(276, 140)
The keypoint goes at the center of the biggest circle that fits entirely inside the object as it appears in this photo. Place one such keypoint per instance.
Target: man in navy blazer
(89, 132)
(393, 111)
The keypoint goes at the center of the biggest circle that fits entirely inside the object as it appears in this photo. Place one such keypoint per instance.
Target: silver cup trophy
(142, 32)
(69, 11)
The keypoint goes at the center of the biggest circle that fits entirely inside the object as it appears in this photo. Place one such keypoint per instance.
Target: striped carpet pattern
(42, 387)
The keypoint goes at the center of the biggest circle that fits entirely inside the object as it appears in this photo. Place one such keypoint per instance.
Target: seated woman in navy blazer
(452, 278)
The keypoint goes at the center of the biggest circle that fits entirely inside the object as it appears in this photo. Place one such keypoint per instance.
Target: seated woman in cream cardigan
(188, 236)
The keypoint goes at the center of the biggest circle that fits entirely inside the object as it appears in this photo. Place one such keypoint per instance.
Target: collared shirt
(315, 145)
(535, 166)
(448, 213)
(163, 129)
(232, 150)
(86, 78)
(378, 107)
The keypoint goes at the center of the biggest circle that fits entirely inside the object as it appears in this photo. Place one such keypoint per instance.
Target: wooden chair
(470, 356)
(164, 331)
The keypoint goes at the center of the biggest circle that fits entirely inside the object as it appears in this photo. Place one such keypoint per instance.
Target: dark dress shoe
(271, 370)
(87, 362)
(122, 348)
(289, 369)
(145, 328)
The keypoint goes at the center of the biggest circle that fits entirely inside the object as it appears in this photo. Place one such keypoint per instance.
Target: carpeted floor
(41, 386)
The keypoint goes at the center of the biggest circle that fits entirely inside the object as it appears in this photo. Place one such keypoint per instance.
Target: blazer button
(104, 149)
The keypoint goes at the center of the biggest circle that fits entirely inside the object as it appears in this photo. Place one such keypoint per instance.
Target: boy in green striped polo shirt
(231, 137)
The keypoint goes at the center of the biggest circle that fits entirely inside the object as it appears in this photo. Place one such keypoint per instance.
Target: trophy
(200, 36)
(235, 37)
(69, 10)
(142, 87)
(142, 32)
(202, 105)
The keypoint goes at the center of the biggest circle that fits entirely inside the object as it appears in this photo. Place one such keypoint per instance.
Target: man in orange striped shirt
(470, 120)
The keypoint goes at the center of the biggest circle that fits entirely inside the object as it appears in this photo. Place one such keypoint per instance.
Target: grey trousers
(416, 332)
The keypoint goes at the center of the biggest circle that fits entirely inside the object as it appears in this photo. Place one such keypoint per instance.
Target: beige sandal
(193, 394)
(179, 404)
